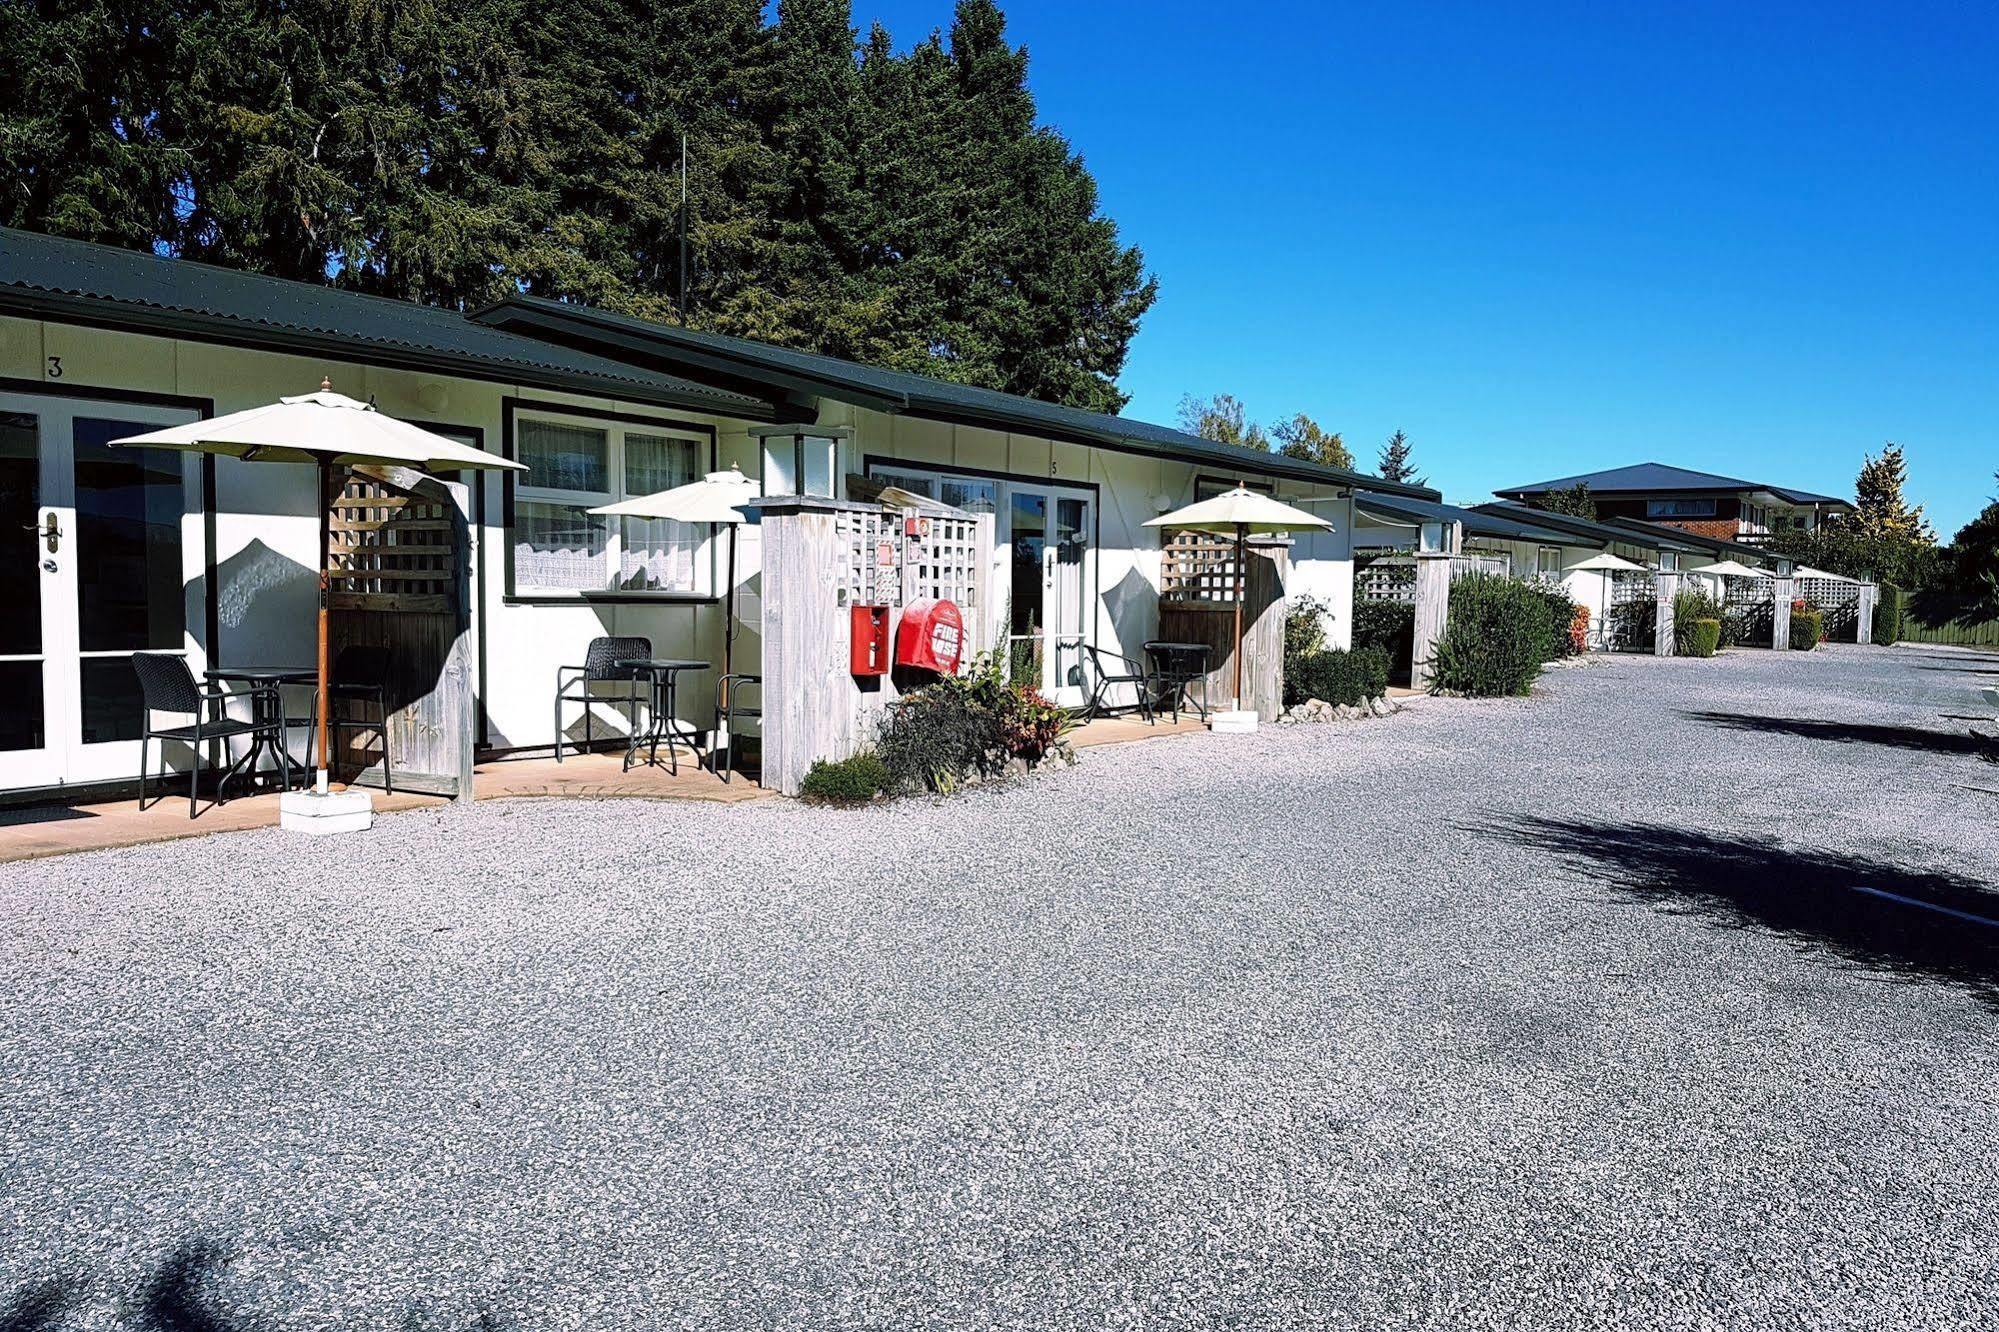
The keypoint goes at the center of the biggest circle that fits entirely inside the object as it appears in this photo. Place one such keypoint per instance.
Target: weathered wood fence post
(1433, 600)
(1782, 590)
(1664, 586)
(1863, 629)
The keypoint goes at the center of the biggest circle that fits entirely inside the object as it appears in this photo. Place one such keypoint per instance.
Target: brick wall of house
(1721, 529)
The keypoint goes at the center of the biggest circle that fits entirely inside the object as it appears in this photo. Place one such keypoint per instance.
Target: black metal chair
(167, 685)
(600, 666)
(728, 708)
(360, 677)
(1107, 670)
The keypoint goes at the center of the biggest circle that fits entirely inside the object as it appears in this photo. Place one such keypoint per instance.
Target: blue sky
(1751, 239)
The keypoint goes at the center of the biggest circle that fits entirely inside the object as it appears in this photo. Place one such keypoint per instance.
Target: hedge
(1888, 616)
(850, 781)
(1807, 628)
(1389, 626)
(1337, 677)
(1699, 639)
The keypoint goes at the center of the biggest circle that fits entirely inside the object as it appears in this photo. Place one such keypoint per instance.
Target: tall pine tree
(900, 208)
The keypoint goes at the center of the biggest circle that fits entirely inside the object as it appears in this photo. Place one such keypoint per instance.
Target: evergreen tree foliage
(1394, 464)
(1576, 501)
(1302, 437)
(1222, 419)
(901, 208)
(1877, 493)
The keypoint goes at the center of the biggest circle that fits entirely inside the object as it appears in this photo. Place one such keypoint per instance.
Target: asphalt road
(1660, 1000)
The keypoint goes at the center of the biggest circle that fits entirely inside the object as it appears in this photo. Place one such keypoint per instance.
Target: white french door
(101, 556)
(1049, 531)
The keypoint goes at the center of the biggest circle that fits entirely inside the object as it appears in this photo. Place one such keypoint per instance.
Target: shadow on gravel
(1960, 670)
(38, 1306)
(1810, 898)
(1858, 733)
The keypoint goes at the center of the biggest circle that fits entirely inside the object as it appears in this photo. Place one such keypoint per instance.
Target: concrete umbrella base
(1232, 722)
(319, 814)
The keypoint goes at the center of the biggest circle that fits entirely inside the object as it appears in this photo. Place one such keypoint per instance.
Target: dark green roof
(1715, 545)
(1661, 538)
(1501, 526)
(1652, 478)
(48, 277)
(795, 377)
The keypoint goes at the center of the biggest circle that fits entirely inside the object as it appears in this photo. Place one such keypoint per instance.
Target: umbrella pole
(1240, 531)
(319, 782)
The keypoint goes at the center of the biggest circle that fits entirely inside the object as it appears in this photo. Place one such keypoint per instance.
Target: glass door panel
(23, 698)
(100, 545)
(1066, 602)
(1027, 658)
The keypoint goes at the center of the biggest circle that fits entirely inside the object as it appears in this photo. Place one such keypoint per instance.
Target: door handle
(51, 533)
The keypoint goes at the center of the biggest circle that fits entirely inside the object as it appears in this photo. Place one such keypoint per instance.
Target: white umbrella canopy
(1730, 569)
(1604, 562)
(715, 498)
(1806, 571)
(324, 427)
(1240, 511)
(335, 432)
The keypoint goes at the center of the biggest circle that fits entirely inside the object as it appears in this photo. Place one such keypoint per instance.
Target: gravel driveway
(1548, 1013)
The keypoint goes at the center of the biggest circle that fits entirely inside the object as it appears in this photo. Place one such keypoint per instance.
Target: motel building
(112, 551)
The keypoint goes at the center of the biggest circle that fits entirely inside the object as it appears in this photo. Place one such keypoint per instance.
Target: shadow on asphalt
(1858, 733)
(1807, 897)
(172, 1299)
(1960, 670)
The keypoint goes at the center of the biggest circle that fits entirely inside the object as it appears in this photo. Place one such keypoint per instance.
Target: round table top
(666, 663)
(281, 674)
(1161, 645)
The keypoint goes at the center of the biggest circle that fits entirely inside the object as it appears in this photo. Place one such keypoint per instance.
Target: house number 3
(55, 367)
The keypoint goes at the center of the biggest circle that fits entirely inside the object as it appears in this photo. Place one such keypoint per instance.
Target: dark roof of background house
(1652, 477)
(1659, 538)
(796, 377)
(50, 277)
(1503, 526)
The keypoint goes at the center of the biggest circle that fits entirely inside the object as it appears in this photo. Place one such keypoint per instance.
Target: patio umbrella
(715, 499)
(1240, 511)
(1804, 571)
(1605, 562)
(1730, 569)
(334, 433)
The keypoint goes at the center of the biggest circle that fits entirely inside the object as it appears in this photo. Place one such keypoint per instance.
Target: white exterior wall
(266, 531)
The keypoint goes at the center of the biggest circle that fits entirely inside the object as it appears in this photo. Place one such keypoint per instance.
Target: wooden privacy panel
(1197, 568)
(1267, 569)
(399, 561)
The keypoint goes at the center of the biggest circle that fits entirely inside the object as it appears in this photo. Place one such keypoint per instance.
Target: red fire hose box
(931, 636)
(869, 649)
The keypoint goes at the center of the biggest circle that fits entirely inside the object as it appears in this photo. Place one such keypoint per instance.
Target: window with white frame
(1547, 559)
(974, 493)
(574, 465)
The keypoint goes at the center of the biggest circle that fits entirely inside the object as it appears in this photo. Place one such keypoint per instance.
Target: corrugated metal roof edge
(823, 375)
(1562, 522)
(65, 304)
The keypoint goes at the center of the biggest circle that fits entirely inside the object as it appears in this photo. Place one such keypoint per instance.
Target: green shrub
(1558, 612)
(1888, 616)
(1693, 606)
(1338, 677)
(1807, 628)
(961, 726)
(851, 781)
(1495, 638)
(1304, 637)
(1389, 626)
(1698, 638)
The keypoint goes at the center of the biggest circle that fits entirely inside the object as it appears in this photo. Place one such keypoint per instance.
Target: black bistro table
(1175, 667)
(263, 687)
(664, 675)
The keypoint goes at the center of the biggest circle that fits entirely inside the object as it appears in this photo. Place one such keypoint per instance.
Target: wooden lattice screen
(392, 550)
(1391, 580)
(1197, 567)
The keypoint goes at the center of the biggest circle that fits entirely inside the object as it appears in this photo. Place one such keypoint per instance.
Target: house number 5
(55, 367)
